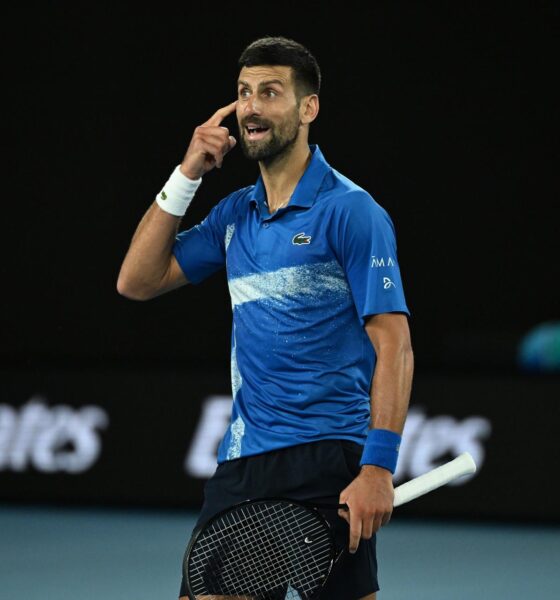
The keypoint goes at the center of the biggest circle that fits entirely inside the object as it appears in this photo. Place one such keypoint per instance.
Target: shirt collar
(306, 190)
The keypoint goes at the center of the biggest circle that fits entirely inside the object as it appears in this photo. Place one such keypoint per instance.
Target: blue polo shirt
(302, 282)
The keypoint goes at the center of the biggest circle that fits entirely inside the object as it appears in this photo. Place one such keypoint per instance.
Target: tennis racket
(280, 549)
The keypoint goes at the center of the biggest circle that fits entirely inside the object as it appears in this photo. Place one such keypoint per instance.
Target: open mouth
(256, 133)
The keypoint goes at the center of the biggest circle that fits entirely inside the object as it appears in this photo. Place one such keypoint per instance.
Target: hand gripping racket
(280, 549)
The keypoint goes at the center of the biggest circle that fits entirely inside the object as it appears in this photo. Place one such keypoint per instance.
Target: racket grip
(462, 465)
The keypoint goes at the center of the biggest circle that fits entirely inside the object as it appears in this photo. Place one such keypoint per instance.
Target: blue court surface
(115, 554)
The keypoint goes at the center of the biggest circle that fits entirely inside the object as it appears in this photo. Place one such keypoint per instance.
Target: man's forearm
(147, 259)
(370, 494)
(391, 387)
(149, 268)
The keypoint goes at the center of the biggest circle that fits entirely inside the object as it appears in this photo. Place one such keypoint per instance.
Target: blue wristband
(381, 449)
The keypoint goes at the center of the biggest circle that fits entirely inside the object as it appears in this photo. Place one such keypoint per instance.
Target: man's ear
(308, 108)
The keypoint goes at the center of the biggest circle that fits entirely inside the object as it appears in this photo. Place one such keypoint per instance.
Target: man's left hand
(370, 501)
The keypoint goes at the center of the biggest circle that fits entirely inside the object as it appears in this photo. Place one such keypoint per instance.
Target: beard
(280, 139)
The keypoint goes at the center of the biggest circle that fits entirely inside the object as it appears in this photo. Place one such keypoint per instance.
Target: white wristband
(177, 193)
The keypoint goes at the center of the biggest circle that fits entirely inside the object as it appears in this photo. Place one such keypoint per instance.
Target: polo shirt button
(265, 224)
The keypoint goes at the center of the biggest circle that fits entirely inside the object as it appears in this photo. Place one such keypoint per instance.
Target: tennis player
(321, 359)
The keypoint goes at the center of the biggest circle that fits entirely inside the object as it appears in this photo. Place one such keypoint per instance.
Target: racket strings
(308, 529)
(262, 551)
(249, 567)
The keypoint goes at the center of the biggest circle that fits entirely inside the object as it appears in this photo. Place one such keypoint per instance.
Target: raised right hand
(209, 144)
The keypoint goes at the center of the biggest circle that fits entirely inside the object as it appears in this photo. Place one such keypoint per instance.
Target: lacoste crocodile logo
(301, 238)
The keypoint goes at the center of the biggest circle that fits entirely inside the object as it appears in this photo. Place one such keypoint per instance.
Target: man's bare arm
(370, 495)
(392, 380)
(149, 268)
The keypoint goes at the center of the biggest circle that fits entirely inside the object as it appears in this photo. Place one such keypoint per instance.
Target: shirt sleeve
(367, 251)
(200, 250)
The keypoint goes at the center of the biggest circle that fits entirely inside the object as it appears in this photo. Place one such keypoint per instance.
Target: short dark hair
(282, 51)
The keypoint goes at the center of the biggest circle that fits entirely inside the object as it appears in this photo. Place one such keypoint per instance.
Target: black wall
(446, 114)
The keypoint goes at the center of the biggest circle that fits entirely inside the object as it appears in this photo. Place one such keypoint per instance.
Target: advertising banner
(150, 439)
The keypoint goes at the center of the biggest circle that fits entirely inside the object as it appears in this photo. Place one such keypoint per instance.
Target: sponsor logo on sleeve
(381, 261)
(387, 283)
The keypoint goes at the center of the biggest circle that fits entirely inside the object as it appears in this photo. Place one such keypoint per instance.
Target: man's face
(267, 111)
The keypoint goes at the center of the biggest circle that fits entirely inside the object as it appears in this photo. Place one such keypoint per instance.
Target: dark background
(445, 113)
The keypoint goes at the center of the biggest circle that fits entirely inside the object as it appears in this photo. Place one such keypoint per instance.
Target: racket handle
(462, 465)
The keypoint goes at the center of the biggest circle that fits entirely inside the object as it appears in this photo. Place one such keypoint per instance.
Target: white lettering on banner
(50, 438)
(430, 441)
(201, 459)
(427, 441)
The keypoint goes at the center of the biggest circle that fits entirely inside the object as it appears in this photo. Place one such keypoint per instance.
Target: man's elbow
(406, 345)
(132, 290)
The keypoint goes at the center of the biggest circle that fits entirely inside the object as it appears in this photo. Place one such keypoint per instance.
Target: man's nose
(252, 105)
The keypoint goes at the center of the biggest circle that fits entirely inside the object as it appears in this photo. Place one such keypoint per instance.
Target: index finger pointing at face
(221, 114)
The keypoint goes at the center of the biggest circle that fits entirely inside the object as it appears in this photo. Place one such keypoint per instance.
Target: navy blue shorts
(317, 471)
